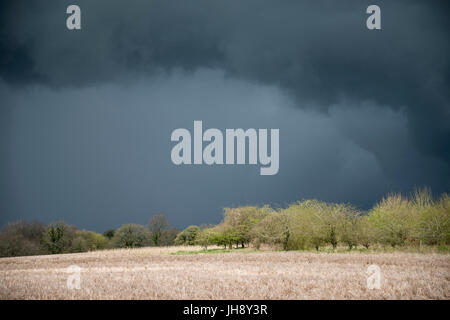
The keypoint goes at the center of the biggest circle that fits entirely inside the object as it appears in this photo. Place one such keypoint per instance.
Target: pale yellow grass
(153, 273)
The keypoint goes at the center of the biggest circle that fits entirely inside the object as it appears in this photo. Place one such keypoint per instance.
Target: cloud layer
(363, 108)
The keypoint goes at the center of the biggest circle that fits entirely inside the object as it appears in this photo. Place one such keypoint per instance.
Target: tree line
(395, 221)
(23, 238)
(311, 224)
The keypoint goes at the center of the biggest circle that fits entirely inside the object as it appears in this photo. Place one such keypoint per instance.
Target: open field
(157, 273)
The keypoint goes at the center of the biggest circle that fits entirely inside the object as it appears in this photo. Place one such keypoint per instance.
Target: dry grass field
(154, 273)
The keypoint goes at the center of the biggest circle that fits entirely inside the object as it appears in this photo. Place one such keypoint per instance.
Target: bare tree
(157, 224)
(168, 237)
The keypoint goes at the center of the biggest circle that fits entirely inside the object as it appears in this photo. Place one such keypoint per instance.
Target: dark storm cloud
(99, 156)
(90, 157)
(318, 51)
(383, 93)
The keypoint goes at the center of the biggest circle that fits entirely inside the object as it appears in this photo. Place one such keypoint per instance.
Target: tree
(273, 230)
(157, 224)
(22, 238)
(168, 237)
(219, 236)
(131, 236)
(306, 228)
(93, 241)
(109, 234)
(206, 237)
(188, 236)
(238, 222)
(434, 223)
(334, 217)
(79, 244)
(328, 219)
(315, 223)
(366, 234)
(350, 228)
(58, 237)
(393, 220)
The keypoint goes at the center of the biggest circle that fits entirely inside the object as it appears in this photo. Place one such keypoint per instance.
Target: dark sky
(86, 116)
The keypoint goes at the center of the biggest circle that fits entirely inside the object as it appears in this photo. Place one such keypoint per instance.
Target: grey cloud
(317, 51)
(89, 156)
(384, 93)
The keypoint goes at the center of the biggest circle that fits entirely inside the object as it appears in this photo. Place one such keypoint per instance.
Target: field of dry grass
(154, 273)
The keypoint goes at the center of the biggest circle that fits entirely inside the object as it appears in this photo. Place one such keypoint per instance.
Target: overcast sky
(86, 115)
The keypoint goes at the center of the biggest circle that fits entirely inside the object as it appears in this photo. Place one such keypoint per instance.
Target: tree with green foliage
(109, 234)
(305, 225)
(334, 218)
(350, 228)
(58, 237)
(434, 222)
(366, 234)
(206, 237)
(188, 236)
(132, 236)
(393, 220)
(238, 223)
(273, 230)
(90, 240)
(397, 220)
